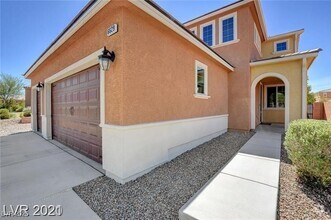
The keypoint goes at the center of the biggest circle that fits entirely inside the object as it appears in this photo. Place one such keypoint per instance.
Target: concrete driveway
(36, 172)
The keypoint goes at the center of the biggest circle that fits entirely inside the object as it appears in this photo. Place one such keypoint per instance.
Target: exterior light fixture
(106, 59)
(40, 86)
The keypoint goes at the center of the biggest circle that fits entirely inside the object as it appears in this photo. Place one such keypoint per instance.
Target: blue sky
(28, 27)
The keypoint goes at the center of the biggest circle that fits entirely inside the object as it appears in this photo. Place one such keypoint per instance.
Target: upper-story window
(194, 30)
(257, 39)
(325, 94)
(281, 46)
(207, 32)
(228, 28)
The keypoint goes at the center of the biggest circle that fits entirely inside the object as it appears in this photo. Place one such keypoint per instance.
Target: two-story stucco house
(324, 95)
(170, 86)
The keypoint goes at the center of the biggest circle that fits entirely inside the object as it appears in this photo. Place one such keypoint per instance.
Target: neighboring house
(167, 90)
(27, 93)
(323, 96)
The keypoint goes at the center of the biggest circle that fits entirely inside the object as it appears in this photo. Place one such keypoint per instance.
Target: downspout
(304, 88)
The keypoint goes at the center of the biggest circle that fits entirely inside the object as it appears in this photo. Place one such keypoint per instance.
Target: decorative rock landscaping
(12, 126)
(163, 191)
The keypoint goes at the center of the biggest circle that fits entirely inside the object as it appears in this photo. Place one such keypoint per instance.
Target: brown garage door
(76, 112)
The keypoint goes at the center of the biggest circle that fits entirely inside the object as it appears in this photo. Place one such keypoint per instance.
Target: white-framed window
(257, 39)
(281, 46)
(325, 94)
(201, 80)
(207, 33)
(275, 96)
(228, 28)
(194, 30)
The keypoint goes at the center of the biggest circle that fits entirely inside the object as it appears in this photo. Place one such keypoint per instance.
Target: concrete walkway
(36, 172)
(247, 187)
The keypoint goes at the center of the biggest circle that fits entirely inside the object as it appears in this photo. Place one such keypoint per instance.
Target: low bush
(27, 113)
(20, 109)
(4, 114)
(308, 143)
(14, 107)
(12, 115)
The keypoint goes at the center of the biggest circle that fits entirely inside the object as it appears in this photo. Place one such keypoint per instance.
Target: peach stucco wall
(159, 75)
(238, 54)
(90, 38)
(152, 78)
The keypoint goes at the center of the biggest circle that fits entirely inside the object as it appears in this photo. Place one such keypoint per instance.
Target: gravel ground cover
(299, 200)
(12, 126)
(162, 192)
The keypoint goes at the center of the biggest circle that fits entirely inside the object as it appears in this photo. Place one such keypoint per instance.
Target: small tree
(10, 88)
(310, 95)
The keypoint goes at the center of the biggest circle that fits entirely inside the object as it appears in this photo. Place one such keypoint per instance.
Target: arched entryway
(275, 84)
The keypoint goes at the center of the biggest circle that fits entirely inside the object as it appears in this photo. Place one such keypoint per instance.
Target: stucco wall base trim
(132, 151)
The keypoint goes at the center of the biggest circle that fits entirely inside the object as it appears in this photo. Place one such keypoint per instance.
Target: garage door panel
(93, 95)
(76, 112)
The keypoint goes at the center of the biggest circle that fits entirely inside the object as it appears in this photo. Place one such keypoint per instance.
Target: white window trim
(282, 41)
(266, 98)
(207, 24)
(195, 29)
(205, 67)
(227, 43)
(258, 45)
(235, 29)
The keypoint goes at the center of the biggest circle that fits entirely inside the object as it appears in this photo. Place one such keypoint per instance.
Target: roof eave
(297, 33)
(216, 12)
(156, 12)
(83, 16)
(261, 18)
(284, 59)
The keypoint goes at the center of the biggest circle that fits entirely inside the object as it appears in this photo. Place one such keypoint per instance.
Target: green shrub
(14, 107)
(27, 113)
(20, 109)
(308, 143)
(4, 114)
(12, 115)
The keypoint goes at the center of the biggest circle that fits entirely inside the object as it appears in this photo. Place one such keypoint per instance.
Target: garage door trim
(85, 63)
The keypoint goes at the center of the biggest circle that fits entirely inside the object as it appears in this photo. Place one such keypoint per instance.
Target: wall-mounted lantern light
(106, 59)
(40, 86)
